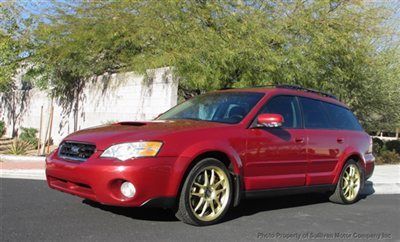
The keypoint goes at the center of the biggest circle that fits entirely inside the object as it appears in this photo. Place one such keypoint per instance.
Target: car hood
(107, 135)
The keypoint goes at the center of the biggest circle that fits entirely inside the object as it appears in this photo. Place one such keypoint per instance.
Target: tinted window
(225, 107)
(315, 116)
(287, 107)
(342, 118)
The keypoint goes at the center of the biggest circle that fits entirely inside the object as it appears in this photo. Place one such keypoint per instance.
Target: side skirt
(289, 190)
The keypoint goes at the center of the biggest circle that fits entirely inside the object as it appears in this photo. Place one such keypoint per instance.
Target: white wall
(118, 97)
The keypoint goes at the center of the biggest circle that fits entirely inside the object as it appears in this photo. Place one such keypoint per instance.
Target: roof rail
(258, 86)
(294, 87)
(300, 88)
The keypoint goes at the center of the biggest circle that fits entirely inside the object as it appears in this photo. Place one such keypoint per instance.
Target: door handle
(299, 140)
(340, 140)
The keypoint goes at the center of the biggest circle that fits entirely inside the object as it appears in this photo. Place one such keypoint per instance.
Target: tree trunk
(76, 113)
(78, 94)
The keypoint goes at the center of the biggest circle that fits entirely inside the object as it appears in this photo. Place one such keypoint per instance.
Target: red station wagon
(208, 153)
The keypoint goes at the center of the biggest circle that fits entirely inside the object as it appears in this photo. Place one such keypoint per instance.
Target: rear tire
(349, 185)
(206, 193)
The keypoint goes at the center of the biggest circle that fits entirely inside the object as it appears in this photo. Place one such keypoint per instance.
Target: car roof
(273, 91)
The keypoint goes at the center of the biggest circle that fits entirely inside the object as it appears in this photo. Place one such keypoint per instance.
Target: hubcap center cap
(208, 192)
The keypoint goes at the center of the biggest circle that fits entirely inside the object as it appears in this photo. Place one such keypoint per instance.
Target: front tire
(206, 194)
(349, 185)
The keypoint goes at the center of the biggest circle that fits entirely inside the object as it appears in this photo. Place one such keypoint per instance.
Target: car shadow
(250, 207)
(150, 214)
(247, 207)
(367, 190)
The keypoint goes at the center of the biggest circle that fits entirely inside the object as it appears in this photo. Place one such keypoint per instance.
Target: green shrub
(19, 147)
(393, 145)
(388, 157)
(2, 128)
(377, 145)
(29, 135)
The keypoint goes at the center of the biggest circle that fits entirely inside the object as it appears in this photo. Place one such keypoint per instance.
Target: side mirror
(270, 120)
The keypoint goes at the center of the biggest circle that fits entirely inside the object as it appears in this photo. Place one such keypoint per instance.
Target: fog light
(128, 189)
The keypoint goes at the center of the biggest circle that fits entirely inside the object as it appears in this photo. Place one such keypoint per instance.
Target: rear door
(325, 143)
(276, 157)
(346, 124)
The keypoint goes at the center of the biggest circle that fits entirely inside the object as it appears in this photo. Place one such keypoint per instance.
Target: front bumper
(99, 179)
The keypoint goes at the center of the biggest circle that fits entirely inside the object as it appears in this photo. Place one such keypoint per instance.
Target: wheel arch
(353, 155)
(227, 155)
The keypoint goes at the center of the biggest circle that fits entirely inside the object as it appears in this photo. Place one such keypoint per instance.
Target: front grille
(76, 151)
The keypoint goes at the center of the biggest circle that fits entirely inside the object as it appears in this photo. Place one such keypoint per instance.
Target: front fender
(188, 156)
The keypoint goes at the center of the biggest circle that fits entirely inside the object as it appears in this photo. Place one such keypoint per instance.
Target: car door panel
(323, 154)
(276, 157)
(325, 143)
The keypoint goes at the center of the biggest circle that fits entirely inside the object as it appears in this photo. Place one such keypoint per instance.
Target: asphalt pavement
(30, 211)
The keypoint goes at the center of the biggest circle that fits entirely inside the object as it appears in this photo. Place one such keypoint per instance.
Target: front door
(276, 157)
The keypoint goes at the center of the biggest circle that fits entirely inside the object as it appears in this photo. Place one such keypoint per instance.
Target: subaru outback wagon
(207, 154)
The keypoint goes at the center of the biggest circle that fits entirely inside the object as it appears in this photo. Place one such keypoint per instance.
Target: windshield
(224, 107)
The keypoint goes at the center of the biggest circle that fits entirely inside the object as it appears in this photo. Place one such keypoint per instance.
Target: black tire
(184, 210)
(338, 196)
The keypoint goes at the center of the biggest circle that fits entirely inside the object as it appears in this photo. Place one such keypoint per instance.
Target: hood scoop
(128, 123)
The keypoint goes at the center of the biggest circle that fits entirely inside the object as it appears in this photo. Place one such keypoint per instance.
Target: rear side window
(342, 118)
(315, 116)
(286, 106)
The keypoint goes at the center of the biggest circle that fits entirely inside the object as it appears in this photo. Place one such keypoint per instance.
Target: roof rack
(300, 88)
(294, 87)
(258, 86)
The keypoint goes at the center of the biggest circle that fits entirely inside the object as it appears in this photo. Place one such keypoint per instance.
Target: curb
(39, 174)
(385, 179)
(24, 174)
(381, 188)
(21, 158)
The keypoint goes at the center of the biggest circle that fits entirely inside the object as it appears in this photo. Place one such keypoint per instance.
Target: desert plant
(2, 128)
(19, 147)
(393, 145)
(29, 135)
(388, 157)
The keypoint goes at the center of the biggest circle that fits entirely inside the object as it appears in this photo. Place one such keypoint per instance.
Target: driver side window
(288, 107)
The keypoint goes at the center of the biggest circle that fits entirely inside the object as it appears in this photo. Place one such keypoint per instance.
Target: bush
(19, 147)
(2, 128)
(393, 145)
(29, 135)
(388, 157)
(377, 145)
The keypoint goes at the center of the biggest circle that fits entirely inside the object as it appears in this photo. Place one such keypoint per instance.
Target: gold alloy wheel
(351, 182)
(209, 193)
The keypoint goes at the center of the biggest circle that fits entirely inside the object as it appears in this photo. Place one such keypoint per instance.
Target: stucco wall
(117, 97)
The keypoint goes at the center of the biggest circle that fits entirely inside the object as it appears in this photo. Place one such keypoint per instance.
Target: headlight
(126, 151)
